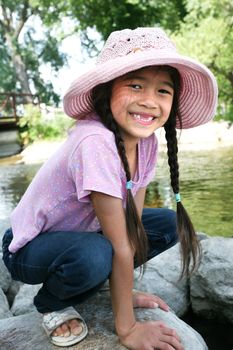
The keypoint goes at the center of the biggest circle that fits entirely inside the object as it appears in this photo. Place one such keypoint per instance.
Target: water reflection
(14, 179)
(205, 186)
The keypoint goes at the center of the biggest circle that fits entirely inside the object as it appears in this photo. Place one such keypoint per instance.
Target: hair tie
(129, 185)
(177, 197)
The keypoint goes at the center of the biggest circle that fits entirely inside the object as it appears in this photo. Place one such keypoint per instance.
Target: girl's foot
(64, 327)
(73, 326)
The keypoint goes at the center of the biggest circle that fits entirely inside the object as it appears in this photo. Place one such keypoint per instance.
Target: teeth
(139, 117)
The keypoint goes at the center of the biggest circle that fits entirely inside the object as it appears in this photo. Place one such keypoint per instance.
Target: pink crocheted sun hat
(128, 50)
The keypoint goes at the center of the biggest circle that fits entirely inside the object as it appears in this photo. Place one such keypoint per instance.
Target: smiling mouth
(143, 117)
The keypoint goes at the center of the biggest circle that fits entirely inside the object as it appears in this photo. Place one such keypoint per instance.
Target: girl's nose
(148, 100)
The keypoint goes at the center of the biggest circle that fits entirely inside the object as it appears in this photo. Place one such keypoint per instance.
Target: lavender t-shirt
(58, 197)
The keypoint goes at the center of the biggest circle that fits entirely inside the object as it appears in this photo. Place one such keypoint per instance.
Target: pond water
(206, 186)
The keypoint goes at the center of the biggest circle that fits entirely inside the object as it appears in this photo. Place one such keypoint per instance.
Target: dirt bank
(205, 137)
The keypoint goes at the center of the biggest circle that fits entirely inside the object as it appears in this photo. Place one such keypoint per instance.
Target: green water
(206, 186)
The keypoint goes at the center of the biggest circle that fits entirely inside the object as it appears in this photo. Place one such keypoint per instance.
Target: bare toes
(57, 332)
(75, 327)
(65, 329)
(62, 331)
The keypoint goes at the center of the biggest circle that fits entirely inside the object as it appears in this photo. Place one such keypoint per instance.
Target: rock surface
(209, 292)
(13, 291)
(5, 278)
(161, 278)
(211, 287)
(25, 332)
(4, 307)
(23, 302)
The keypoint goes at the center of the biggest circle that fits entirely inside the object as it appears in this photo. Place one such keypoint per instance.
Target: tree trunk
(20, 68)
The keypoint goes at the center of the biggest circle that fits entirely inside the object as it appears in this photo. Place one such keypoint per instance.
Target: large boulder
(211, 287)
(162, 278)
(25, 331)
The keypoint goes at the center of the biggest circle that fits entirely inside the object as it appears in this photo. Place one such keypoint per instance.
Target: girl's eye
(163, 91)
(135, 86)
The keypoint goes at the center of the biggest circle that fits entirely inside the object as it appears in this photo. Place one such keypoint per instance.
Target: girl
(81, 221)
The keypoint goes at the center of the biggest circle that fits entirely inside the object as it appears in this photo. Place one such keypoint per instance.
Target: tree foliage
(201, 28)
(207, 35)
(23, 51)
(117, 15)
(108, 15)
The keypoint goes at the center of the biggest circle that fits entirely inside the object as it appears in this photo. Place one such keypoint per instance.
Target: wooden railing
(12, 107)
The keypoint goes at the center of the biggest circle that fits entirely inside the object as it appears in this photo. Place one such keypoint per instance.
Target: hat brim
(198, 94)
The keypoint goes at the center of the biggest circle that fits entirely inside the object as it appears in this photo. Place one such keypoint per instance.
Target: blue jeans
(73, 265)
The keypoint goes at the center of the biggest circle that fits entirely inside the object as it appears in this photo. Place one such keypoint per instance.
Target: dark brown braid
(190, 246)
(135, 230)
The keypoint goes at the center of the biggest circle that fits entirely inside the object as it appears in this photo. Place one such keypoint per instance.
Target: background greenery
(201, 29)
(35, 125)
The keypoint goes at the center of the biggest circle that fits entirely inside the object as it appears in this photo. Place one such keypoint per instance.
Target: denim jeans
(74, 265)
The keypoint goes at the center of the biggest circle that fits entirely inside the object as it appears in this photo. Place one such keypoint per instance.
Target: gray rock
(211, 286)
(12, 291)
(162, 279)
(5, 277)
(202, 235)
(25, 332)
(4, 306)
(191, 339)
(23, 302)
(4, 225)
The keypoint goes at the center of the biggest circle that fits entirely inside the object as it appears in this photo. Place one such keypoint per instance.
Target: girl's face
(141, 102)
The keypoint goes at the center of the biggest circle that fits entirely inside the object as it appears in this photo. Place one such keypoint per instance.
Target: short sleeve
(150, 160)
(95, 166)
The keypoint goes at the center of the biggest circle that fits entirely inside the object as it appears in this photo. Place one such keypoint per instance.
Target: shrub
(35, 125)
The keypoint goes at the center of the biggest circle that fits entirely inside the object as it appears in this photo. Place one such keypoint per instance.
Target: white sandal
(56, 318)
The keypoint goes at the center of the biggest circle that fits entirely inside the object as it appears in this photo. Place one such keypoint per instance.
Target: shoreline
(210, 136)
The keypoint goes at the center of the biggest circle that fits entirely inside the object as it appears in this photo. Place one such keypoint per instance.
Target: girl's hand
(151, 335)
(141, 299)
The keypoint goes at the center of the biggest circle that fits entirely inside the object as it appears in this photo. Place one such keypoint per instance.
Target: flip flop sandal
(56, 318)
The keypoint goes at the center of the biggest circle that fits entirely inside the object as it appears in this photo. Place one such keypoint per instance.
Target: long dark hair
(190, 247)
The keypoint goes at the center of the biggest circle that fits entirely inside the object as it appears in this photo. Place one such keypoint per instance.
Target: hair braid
(135, 229)
(190, 246)
(112, 125)
(172, 150)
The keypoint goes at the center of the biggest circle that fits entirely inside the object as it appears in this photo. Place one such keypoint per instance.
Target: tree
(106, 16)
(22, 53)
(201, 28)
(207, 35)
